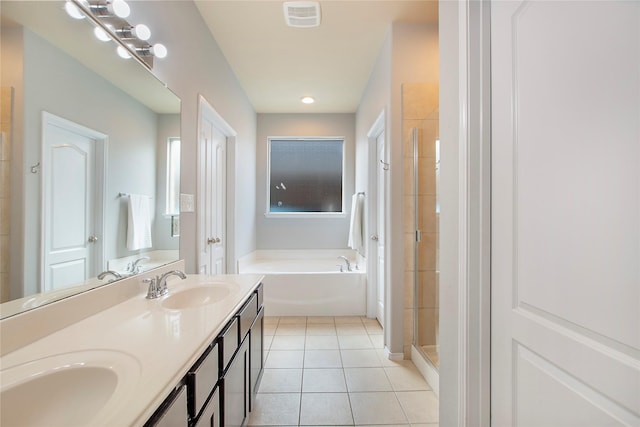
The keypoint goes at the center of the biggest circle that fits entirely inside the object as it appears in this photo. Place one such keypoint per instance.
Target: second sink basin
(196, 296)
(68, 389)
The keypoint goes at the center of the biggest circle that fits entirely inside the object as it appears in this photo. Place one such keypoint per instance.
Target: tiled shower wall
(6, 96)
(420, 111)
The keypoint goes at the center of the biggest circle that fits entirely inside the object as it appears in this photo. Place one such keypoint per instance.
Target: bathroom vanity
(220, 387)
(193, 357)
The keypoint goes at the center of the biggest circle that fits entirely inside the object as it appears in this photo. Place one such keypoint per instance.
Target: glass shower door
(426, 163)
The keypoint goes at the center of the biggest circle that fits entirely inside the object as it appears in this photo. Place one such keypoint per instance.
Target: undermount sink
(196, 296)
(68, 389)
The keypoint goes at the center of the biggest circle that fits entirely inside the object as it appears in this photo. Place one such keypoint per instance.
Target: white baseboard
(393, 356)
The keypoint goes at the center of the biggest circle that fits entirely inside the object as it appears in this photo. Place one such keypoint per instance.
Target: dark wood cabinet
(211, 415)
(220, 387)
(256, 356)
(173, 411)
(236, 388)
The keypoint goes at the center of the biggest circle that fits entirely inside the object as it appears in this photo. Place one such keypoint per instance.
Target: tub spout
(346, 260)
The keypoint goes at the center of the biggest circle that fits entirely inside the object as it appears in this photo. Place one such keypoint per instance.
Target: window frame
(324, 215)
(169, 178)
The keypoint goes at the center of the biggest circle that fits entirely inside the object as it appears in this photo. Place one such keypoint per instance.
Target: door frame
(102, 140)
(229, 198)
(465, 135)
(371, 202)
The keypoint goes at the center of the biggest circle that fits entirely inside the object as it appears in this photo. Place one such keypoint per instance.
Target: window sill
(307, 215)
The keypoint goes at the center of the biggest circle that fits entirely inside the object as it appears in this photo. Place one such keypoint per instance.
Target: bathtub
(308, 282)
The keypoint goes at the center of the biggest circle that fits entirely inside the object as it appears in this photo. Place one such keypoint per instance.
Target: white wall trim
(371, 200)
(465, 285)
(205, 108)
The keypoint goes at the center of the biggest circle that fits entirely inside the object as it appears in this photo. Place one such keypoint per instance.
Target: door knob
(211, 241)
(218, 240)
(374, 237)
(93, 239)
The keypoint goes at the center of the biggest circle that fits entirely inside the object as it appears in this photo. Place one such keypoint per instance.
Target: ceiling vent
(302, 14)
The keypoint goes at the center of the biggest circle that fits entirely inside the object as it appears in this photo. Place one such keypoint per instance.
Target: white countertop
(163, 343)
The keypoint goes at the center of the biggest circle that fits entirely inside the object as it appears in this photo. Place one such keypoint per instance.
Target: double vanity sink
(197, 296)
(119, 365)
(66, 389)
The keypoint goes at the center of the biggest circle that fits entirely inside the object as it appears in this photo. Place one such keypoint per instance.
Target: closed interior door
(381, 217)
(212, 208)
(69, 207)
(565, 213)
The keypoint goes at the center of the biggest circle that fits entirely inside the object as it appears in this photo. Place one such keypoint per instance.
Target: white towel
(355, 228)
(139, 224)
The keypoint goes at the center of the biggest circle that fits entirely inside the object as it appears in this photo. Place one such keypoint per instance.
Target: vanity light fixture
(73, 11)
(123, 52)
(139, 31)
(118, 8)
(308, 100)
(158, 50)
(109, 18)
(102, 34)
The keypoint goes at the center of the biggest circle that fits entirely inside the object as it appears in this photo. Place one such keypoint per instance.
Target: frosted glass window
(305, 175)
(173, 176)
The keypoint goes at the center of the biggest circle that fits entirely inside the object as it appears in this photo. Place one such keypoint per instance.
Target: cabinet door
(175, 414)
(210, 416)
(256, 359)
(236, 388)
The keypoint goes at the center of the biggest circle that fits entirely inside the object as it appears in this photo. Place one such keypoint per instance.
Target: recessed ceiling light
(308, 99)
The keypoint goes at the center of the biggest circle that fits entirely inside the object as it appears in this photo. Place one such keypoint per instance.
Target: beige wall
(409, 55)
(6, 98)
(11, 43)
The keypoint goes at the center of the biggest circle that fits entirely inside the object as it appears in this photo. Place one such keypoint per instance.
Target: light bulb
(159, 50)
(307, 100)
(123, 53)
(141, 31)
(73, 11)
(120, 8)
(101, 34)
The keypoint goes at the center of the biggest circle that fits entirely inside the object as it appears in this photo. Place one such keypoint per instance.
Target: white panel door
(565, 213)
(381, 219)
(212, 195)
(69, 231)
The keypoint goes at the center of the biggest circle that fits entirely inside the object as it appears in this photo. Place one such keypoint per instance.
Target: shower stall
(425, 148)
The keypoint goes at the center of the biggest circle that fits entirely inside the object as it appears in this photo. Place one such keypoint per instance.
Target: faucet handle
(152, 292)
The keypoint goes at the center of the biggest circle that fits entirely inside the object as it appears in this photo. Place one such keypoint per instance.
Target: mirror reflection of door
(381, 187)
(212, 192)
(71, 202)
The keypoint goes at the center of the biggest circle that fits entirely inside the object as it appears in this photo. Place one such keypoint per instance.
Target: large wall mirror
(85, 134)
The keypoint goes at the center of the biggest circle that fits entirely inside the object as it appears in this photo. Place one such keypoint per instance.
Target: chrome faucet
(158, 284)
(115, 275)
(346, 260)
(134, 268)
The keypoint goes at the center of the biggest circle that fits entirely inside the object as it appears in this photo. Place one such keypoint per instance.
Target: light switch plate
(187, 202)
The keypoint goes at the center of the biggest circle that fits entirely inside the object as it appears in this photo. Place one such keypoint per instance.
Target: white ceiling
(277, 65)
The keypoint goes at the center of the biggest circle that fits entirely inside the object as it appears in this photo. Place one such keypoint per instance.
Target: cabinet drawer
(173, 412)
(247, 315)
(260, 293)
(210, 416)
(228, 343)
(202, 379)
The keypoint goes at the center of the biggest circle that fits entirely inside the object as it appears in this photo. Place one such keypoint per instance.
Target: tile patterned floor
(323, 371)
